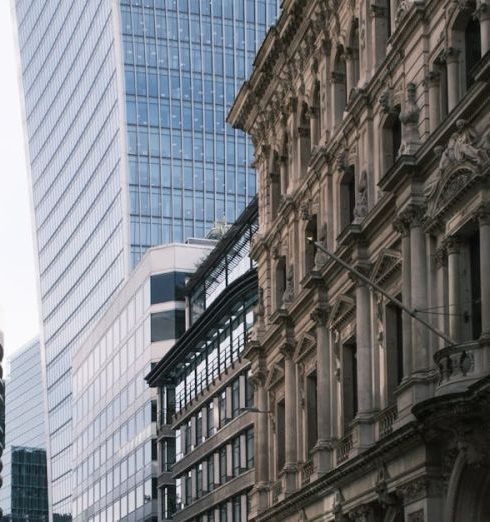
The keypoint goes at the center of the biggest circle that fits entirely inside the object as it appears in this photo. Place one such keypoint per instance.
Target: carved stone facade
(374, 119)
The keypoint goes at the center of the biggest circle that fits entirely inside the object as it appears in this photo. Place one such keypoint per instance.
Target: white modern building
(114, 445)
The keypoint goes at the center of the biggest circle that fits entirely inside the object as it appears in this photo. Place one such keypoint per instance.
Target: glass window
(167, 325)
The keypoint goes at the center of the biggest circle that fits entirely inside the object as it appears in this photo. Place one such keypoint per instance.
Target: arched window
(392, 138)
(472, 45)
(339, 88)
(280, 280)
(352, 57)
(349, 382)
(311, 237)
(315, 120)
(443, 99)
(347, 197)
(304, 140)
(284, 164)
(274, 183)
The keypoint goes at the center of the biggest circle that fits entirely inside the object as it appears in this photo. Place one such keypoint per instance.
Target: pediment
(305, 344)
(274, 375)
(451, 187)
(341, 310)
(387, 264)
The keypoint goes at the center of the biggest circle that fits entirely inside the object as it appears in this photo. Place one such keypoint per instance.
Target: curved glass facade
(68, 65)
(125, 106)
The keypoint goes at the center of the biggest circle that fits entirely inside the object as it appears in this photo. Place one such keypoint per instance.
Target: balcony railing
(386, 420)
(306, 472)
(276, 490)
(344, 447)
(458, 364)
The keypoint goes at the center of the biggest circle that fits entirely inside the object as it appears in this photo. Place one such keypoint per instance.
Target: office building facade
(2, 412)
(114, 444)
(372, 131)
(24, 492)
(125, 107)
(206, 445)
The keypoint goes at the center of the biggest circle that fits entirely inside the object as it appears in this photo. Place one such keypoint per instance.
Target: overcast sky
(18, 297)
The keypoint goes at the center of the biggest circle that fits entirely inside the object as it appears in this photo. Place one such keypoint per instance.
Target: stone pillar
(453, 79)
(364, 349)
(290, 419)
(322, 457)
(349, 71)
(406, 296)
(441, 276)
(260, 491)
(454, 287)
(483, 13)
(484, 224)
(433, 82)
(418, 290)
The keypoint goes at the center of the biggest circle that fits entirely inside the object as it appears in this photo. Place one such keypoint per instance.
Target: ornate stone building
(371, 121)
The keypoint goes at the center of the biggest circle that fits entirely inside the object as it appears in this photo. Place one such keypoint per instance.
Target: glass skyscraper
(23, 494)
(125, 106)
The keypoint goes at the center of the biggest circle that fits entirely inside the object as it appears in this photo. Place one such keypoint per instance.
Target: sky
(19, 318)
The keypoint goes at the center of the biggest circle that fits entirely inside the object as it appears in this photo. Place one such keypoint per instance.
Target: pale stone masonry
(371, 123)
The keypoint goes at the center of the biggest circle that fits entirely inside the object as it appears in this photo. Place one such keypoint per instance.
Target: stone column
(402, 226)
(454, 287)
(290, 418)
(349, 71)
(441, 275)
(261, 431)
(433, 82)
(484, 224)
(418, 290)
(483, 13)
(322, 457)
(453, 79)
(364, 349)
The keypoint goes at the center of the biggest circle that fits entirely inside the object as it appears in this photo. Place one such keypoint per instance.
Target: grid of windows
(184, 62)
(24, 489)
(68, 71)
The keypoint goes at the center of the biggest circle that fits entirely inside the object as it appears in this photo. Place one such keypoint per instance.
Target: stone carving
(410, 120)
(361, 209)
(305, 210)
(401, 9)
(341, 160)
(259, 314)
(464, 146)
(362, 33)
(416, 516)
(320, 256)
(288, 295)
(385, 101)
